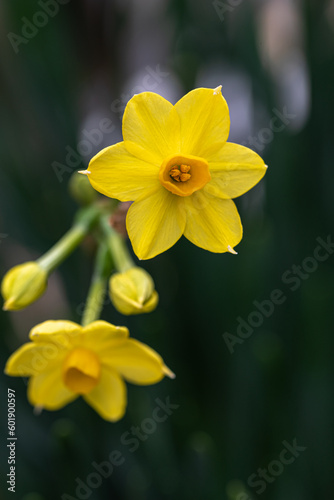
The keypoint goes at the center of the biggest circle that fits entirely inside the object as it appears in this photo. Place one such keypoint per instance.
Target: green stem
(96, 294)
(117, 247)
(84, 220)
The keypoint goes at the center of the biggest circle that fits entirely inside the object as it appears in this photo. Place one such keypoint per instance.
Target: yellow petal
(118, 174)
(127, 306)
(32, 359)
(205, 121)
(234, 170)
(47, 390)
(212, 223)
(19, 363)
(151, 122)
(147, 156)
(108, 398)
(155, 223)
(137, 363)
(60, 332)
(100, 334)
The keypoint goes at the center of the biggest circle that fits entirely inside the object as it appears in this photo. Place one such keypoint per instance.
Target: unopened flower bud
(132, 292)
(81, 190)
(22, 285)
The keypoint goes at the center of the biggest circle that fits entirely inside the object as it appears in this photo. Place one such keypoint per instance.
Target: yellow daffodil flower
(65, 360)
(177, 167)
(132, 292)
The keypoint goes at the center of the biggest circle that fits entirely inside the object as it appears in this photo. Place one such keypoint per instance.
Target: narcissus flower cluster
(181, 174)
(176, 165)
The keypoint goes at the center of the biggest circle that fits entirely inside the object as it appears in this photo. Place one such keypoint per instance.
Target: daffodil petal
(19, 363)
(48, 391)
(52, 326)
(152, 122)
(33, 359)
(139, 152)
(212, 223)
(136, 362)
(205, 121)
(100, 334)
(103, 330)
(155, 223)
(234, 171)
(59, 332)
(108, 398)
(119, 174)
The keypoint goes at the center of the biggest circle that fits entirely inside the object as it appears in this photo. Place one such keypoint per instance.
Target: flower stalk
(24, 284)
(97, 291)
(84, 221)
(120, 254)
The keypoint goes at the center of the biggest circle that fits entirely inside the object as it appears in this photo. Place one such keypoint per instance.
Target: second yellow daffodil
(65, 360)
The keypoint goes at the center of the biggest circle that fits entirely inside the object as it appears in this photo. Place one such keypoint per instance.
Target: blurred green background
(58, 81)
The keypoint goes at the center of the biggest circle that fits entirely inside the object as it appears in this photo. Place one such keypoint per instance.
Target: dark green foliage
(235, 409)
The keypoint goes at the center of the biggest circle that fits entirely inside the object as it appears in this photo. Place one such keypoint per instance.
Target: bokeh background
(275, 61)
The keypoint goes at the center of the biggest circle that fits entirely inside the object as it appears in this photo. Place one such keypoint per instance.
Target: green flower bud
(81, 190)
(132, 292)
(22, 285)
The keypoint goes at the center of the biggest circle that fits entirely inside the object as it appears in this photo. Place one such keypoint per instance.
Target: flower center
(180, 173)
(81, 370)
(184, 174)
